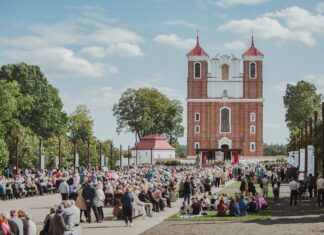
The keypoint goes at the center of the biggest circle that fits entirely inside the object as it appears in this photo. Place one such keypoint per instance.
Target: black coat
(89, 192)
(187, 187)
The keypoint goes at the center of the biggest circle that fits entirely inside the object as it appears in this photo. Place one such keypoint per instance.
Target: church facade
(225, 105)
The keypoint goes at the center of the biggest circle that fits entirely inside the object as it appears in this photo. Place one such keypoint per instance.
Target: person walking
(127, 202)
(320, 191)
(293, 185)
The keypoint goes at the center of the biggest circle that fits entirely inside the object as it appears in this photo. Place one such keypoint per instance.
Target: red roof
(252, 51)
(197, 51)
(154, 142)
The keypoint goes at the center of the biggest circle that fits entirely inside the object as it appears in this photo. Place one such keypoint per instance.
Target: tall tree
(44, 115)
(81, 124)
(300, 101)
(4, 155)
(147, 111)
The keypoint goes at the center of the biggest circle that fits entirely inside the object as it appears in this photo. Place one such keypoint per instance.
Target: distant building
(225, 106)
(152, 148)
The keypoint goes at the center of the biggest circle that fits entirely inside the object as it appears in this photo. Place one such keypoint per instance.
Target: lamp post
(111, 154)
(100, 158)
(59, 154)
(17, 155)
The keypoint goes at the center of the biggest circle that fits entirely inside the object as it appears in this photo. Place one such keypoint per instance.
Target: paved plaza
(306, 218)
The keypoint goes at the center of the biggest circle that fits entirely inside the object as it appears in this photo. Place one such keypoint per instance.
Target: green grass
(261, 215)
(230, 190)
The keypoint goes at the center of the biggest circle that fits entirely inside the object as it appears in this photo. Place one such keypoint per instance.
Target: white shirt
(31, 228)
(293, 185)
(320, 183)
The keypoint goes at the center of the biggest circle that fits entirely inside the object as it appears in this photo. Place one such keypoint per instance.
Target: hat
(60, 209)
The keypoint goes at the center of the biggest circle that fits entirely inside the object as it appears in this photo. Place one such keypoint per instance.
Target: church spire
(197, 37)
(252, 39)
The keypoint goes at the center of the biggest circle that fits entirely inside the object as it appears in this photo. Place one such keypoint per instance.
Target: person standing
(311, 185)
(64, 190)
(293, 185)
(320, 191)
(187, 191)
(276, 190)
(127, 202)
(99, 201)
(89, 193)
(265, 186)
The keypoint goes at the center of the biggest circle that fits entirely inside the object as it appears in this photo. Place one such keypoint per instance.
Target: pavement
(39, 207)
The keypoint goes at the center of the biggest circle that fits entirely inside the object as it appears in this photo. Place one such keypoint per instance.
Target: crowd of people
(145, 190)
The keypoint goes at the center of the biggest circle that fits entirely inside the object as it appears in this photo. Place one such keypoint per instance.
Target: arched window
(197, 117)
(252, 129)
(197, 70)
(197, 129)
(252, 70)
(224, 72)
(252, 117)
(225, 120)
(252, 147)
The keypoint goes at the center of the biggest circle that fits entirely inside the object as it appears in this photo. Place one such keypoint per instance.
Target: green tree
(147, 111)
(44, 113)
(81, 132)
(300, 101)
(4, 154)
(181, 151)
(274, 149)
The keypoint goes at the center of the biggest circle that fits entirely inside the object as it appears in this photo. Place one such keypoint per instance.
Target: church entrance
(223, 154)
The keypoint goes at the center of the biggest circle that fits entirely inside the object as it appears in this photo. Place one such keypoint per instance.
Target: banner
(302, 160)
(102, 160)
(42, 162)
(56, 161)
(310, 160)
(76, 160)
(106, 161)
(296, 158)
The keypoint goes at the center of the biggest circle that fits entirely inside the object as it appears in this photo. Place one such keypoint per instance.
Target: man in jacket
(89, 193)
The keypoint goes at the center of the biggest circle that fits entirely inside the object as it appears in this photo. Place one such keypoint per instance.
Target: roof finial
(197, 37)
(252, 41)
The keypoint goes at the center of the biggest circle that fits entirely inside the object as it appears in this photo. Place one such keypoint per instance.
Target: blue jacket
(127, 200)
(243, 204)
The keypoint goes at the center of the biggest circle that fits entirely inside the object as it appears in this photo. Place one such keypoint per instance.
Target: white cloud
(52, 46)
(235, 45)
(175, 41)
(281, 87)
(61, 61)
(230, 3)
(316, 79)
(181, 23)
(119, 49)
(292, 23)
(320, 7)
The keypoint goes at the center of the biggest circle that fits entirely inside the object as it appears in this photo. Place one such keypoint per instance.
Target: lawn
(231, 190)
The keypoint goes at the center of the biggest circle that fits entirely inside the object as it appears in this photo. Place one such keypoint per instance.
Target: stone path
(306, 218)
(38, 207)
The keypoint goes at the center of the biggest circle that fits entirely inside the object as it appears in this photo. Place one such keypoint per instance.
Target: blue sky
(92, 51)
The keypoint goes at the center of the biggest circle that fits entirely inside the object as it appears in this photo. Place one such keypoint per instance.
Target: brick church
(225, 106)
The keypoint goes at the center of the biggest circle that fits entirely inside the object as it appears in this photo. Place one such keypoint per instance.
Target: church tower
(224, 105)
(197, 72)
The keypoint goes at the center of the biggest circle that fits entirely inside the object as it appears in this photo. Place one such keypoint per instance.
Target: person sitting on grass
(184, 209)
(261, 202)
(206, 203)
(234, 209)
(243, 204)
(195, 207)
(213, 202)
(252, 205)
(221, 208)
